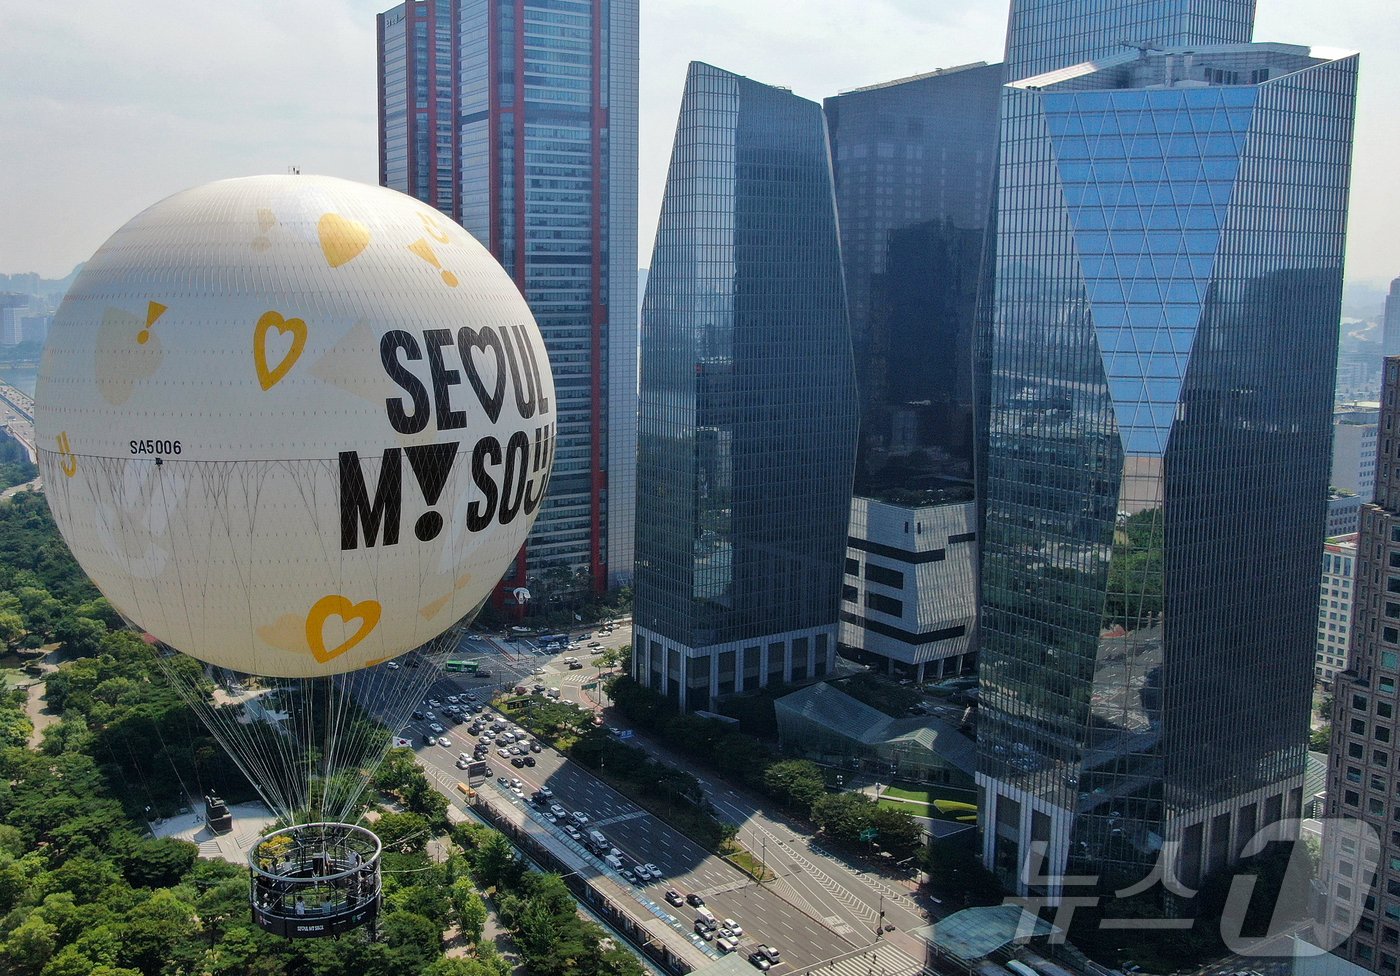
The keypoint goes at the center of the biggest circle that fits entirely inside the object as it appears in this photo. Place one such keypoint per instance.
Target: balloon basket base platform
(315, 880)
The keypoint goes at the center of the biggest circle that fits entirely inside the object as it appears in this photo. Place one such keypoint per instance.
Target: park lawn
(930, 793)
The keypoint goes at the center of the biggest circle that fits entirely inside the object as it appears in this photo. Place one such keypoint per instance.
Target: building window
(1358, 726)
(852, 566)
(1351, 798)
(883, 576)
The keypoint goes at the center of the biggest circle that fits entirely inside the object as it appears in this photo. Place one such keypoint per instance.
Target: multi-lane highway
(816, 909)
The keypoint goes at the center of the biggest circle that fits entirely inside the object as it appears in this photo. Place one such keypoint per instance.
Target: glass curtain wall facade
(534, 106)
(747, 428)
(914, 163)
(1043, 35)
(548, 129)
(417, 131)
(1168, 283)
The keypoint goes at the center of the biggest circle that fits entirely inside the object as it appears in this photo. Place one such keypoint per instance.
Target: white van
(614, 862)
(703, 914)
(596, 836)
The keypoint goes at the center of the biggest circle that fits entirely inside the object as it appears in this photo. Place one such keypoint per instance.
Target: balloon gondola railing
(315, 880)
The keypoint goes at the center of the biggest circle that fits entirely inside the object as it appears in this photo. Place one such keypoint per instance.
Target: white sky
(106, 107)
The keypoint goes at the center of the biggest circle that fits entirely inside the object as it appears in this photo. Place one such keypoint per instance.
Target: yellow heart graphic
(342, 239)
(272, 320)
(335, 605)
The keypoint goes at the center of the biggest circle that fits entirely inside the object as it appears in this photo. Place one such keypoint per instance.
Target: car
(734, 927)
(528, 760)
(430, 716)
(725, 944)
(551, 817)
(552, 693)
(503, 781)
(453, 699)
(517, 762)
(471, 696)
(474, 637)
(770, 953)
(596, 644)
(437, 728)
(418, 715)
(488, 772)
(573, 832)
(575, 665)
(538, 689)
(694, 900)
(580, 818)
(536, 747)
(675, 897)
(463, 763)
(519, 793)
(584, 637)
(503, 753)
(628, 876)
(433, 703)
(558, 811)
(704, 931)
(392, 665)
(760, 961)
(445, 742)
(642, 873)
(655, 871)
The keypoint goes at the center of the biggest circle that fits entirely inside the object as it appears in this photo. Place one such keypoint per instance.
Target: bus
(552, 639)
(466, 667)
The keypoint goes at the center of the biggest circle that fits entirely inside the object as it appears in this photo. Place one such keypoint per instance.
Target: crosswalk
(882, 959)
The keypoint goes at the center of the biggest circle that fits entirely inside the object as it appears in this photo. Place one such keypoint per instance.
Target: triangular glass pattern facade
(1147, 178)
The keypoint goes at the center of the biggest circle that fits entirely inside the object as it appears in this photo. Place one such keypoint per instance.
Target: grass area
(928, 794)
(750, 865)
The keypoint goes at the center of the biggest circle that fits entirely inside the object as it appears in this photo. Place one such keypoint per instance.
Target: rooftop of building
(1143, 67)
(936, 73)
(1343, 543)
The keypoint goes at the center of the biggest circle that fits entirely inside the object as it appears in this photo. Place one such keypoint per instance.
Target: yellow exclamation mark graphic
(424, 250)
(154, 310)
(69, 464)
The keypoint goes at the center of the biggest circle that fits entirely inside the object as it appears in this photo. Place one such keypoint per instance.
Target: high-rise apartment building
(1334, 606)
(1161, 389)
(540, 164)
(914, 163)
(1361, 842)
(417, 105)
(747, 428)
(1043, 35)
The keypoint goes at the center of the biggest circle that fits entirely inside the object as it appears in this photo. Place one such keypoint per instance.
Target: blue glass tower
(1043, 35)
(747, 428)
(1168, 281)
(417, 71)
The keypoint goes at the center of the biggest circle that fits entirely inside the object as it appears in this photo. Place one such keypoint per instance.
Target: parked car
(761, 962)
(703, 930)
(675, 897)
(725, 944)
(528, 760)
(436, 728)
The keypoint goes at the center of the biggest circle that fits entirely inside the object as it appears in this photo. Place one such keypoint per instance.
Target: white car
(734, 927)
(580, 818)
(392, 665)
(642, 873)
(655, 871)
(437, 728)
(503, 753)
(453, 699)
(445, 742)
(726, 944)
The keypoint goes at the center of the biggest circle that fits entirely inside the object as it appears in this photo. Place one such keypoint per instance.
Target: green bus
(467, 667)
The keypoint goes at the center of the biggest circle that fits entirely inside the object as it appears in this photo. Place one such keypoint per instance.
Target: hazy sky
(106, 107)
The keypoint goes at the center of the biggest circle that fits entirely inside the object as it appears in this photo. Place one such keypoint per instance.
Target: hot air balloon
(295, 429)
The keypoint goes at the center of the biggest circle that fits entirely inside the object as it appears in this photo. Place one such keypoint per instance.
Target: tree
(494, 863)
(156, 862)
(843, 815)
(11, 626)
(470, 910)
(406, 833)
(796, 783)
(29, 946)
(413, 941)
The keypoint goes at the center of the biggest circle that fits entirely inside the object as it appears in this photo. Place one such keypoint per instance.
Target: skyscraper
(1359, 899)
(747, 428)
(1390, 327)
(543, 171)
(1043, 35)
(417, 118)
(914, 164)
(1168, 280)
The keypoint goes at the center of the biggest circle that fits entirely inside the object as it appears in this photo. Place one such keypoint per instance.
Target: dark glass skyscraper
(1043, 35)
(747, 429)
(1390, 323)
(914, 163)
(1168, 282)
(540, 151)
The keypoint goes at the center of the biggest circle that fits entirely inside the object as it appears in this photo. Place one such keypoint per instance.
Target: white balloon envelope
(294, 425)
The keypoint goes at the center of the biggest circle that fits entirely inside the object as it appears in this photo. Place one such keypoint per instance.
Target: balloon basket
(315, 880)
